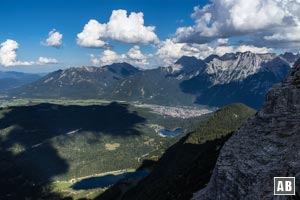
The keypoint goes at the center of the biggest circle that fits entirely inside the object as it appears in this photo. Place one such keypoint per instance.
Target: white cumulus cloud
(253, 49)
(267, 21)
(169, 50)
(222, 41)
(120, 27)
(92, 35)
(8, 56)
(54, 39)
(45, 60)
(134, 56)
(107, 57)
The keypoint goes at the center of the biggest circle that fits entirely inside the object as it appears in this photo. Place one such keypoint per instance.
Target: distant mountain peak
(188, 64)
(290, 57)
(185, 59)
(236, 66)
(10, 79)
(119, 64)
(123, 69)
(211, 57)
(288, 54)
(78, 82)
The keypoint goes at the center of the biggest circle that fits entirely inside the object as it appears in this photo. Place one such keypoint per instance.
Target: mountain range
(80, 82)
(10, 79)
(215, 81)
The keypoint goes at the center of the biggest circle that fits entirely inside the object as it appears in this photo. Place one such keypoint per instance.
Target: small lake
(171, 133)
(107, 180)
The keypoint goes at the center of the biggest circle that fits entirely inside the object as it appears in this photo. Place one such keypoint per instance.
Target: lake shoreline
(115, 172)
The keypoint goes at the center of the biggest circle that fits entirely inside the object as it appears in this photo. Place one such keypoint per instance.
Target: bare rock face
(266, 146)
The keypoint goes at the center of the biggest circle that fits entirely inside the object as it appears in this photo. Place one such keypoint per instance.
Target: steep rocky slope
(266, 146)
(236, 67)
(290, 57)
(241, 77)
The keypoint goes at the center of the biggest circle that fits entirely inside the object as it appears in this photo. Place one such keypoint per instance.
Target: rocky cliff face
(266, 146)
(236, 67)
(236, 77)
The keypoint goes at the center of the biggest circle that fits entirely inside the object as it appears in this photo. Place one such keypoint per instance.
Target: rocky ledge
(266, 146)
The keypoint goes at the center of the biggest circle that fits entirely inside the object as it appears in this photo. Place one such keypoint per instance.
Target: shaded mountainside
(290, 57)
(81, 82)
(189, 65)
(242, 77)
(157, 86)
(250, 91)
(187, 165)
(266, 146)
(10, 80)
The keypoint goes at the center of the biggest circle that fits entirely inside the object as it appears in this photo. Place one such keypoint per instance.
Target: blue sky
(28, 23)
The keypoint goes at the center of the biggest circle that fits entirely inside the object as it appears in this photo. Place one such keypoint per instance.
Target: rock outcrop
(266, 146)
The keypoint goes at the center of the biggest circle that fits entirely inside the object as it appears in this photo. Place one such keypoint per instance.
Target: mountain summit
(77, 82)
(189, 64)
(266, 146)
(236, 67)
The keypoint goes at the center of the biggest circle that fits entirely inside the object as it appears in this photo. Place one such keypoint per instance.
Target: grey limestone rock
(266, 146)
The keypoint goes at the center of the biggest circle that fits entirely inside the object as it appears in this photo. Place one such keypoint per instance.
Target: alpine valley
(121, 132)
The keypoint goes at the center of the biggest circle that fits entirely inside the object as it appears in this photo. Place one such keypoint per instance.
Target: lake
(171, 133)
(107, 180)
